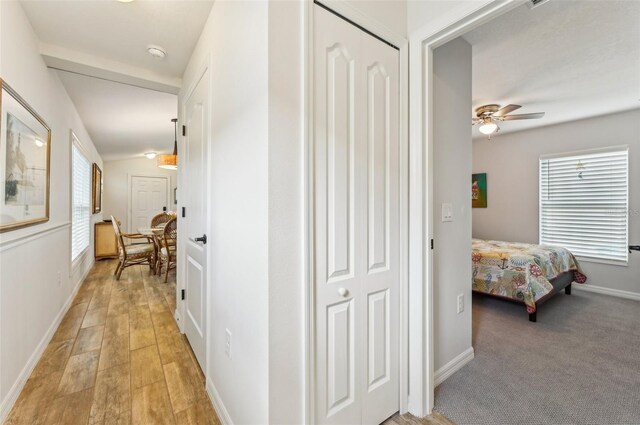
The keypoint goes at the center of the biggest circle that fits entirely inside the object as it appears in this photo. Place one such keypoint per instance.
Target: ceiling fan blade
(504, 111)
(533, 116)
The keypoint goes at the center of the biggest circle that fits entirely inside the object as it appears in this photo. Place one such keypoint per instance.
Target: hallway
(117, 358)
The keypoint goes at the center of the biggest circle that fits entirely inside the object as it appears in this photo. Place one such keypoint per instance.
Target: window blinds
(81, 203)
(584, 203)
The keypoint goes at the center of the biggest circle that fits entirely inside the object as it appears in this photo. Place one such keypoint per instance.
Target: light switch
(447, 212)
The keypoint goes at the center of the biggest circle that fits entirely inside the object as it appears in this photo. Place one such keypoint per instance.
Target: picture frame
(479, 190)
(96, 189)
(25, 155)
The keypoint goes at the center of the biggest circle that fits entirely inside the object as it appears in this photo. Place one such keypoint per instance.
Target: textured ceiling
(570, 59)
(121, 32)
(123, 121)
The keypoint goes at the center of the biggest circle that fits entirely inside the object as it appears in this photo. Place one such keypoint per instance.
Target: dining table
(155, 234)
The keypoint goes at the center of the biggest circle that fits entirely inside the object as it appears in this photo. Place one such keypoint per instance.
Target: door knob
(202, 239)
(343, 292)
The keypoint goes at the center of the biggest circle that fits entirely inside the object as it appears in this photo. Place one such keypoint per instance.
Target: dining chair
(168, 247)
(132, 254)
(160, 219)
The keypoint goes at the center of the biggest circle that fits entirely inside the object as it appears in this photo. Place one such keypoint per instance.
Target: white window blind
(584, 203)
(81, 202)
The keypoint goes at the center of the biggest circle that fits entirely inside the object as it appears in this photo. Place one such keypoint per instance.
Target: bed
(524, 273)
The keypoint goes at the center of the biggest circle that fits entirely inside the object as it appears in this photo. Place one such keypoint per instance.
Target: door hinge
(184, 212)
(431, 243)
(182, 294)
(184, 130)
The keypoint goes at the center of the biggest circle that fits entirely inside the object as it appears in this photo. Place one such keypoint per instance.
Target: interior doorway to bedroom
(550, 162)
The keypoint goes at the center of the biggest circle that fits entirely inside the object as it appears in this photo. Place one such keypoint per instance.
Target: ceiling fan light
(488, 128)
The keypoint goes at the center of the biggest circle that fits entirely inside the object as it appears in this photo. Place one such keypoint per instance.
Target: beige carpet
(579, 364)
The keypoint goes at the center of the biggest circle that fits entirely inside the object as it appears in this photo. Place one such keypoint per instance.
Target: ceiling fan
(488, 116)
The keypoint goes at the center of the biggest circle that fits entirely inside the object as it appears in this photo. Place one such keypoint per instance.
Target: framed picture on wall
(479, 190)
(96, 184)
(25, 148)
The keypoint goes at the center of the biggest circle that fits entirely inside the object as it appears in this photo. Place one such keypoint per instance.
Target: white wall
(235, 41)
(115, 176)
(451, 174)
(430, 16)
(258, 201)
(31, 297)
(511, 163)
(286, 200)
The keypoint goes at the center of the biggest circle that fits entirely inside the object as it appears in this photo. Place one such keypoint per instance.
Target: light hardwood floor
(117, 358)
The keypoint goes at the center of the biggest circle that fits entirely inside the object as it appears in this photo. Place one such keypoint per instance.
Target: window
(584, 203)
(81, 202)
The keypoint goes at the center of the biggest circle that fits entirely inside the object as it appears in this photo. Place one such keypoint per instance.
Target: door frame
(352, 14)
(130, 177)
(422, 43)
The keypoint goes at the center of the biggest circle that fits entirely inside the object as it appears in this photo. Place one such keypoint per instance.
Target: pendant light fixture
(170, 161)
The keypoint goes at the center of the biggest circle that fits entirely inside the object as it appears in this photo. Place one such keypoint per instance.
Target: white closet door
(356, 187)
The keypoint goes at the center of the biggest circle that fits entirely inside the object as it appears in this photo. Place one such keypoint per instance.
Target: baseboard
(453, 366)
(16, 388)
(218, 405)
(608, 291)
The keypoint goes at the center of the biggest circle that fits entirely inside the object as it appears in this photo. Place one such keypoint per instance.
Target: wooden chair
(159, 219)
(132, 254)
(168, 247)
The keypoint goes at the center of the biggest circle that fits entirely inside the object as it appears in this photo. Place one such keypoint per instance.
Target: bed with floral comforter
(520, 271)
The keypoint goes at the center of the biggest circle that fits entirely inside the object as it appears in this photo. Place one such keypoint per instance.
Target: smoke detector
(156, 51)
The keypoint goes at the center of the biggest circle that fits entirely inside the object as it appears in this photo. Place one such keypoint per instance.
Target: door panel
(341, 357)
(149, 195)
(378, 115)
(340, 166)
(380, 271)
(195, 223)
(356, 184)
(195, 279)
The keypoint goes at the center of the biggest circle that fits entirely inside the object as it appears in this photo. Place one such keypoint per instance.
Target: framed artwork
(96, 184)
(25, 149)
(479, 190)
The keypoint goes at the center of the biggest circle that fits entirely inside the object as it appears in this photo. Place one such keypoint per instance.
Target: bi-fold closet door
(356, 223)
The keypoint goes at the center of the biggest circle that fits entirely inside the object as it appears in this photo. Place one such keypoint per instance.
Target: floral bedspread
(520, 271)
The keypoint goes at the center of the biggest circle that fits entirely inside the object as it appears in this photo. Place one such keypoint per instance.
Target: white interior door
(195, 222)
(356, 201)
(149, 196)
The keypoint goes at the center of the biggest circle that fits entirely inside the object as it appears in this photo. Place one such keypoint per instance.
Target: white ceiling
(123, 121)
(570, 59)
(121, 32)
(108, 39)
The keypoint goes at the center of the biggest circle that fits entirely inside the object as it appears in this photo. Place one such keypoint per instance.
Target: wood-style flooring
(117, 358)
